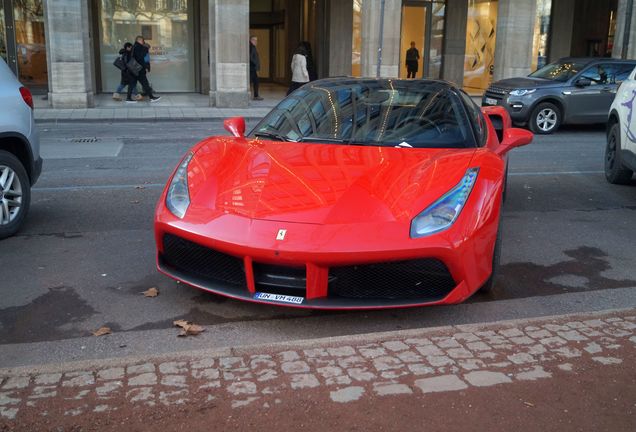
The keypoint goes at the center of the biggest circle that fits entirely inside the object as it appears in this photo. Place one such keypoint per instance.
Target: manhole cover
(85, 140)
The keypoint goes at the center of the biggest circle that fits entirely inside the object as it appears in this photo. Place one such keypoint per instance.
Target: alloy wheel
(546, 119)
(10, 195)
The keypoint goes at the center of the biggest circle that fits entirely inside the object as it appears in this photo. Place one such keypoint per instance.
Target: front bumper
(519, 108)
(327, 267)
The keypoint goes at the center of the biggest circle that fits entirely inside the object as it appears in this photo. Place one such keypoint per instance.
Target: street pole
(627, 28)
(377, 72)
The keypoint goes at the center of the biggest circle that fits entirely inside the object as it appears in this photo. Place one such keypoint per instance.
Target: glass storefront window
(168, 27)
(422, 23)
(28, 18)
(479, 58)
(3, 35)
(541, 31)
(356, 43)
(413, 31)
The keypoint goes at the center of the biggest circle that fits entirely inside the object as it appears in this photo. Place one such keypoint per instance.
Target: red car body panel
(340, 205)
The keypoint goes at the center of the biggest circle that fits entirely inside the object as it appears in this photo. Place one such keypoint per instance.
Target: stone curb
(298, 344)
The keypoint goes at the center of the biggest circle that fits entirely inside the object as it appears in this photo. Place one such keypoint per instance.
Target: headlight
(178, 197)
(522, 92)
(443, 212)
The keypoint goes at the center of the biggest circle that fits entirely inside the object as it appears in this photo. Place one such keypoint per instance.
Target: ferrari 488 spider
(351, 193)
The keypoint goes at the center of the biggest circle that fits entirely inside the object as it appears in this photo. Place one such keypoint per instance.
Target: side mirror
(583, 82)
(235, 126)
(514, 137)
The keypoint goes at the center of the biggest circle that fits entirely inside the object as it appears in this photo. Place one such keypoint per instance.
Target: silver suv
(20, 162)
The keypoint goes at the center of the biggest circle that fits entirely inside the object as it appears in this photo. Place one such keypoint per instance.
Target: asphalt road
(87, 250)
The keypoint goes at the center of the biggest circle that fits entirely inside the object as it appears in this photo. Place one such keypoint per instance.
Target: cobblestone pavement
(450, 359)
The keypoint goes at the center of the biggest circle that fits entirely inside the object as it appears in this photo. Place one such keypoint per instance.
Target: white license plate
(490, 101)
(278, 298)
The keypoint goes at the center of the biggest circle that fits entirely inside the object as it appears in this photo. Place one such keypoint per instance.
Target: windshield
(559, 71)
(371, 112)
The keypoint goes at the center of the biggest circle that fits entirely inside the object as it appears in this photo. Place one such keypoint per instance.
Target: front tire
(545, 118)
(615, 171)
(15, 194)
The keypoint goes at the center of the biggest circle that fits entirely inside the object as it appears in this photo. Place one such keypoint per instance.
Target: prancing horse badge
(281, 234)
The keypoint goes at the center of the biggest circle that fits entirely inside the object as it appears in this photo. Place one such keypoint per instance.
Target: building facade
(66, 48)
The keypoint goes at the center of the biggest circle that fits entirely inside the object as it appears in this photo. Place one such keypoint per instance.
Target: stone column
(371, 12)
(620, 31)
(455, 41)
(340, 34)
(515, 31)
(561, 26)
(68, 54)
(229, 53)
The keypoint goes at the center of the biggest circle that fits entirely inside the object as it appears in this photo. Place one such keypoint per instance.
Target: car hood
(319, 183)
(526, 83)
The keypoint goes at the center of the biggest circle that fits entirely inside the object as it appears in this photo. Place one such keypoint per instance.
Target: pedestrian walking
(412, 60)
(138, 68)
(147, 61)
(255, 66)
(125, 79)
(300, 74)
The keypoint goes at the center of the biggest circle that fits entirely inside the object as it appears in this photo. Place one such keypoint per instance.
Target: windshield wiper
(322, 139)
(272, 135)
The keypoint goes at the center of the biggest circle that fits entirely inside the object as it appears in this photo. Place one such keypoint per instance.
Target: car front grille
(426, 279)
(276, 279)
(200, 261)
(497, 91)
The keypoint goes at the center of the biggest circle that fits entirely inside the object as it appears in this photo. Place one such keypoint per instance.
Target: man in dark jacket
(255, 66)
(139, 53)
(412, 59)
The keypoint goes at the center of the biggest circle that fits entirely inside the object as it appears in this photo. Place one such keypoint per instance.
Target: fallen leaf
(529, 404)
(180, 323)
(134, 202)
(102, 331)
(151, 292)
(140, 187)
(188, 329)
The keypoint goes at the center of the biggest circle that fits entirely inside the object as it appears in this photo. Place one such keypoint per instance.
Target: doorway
(423, 25)
(22, 42)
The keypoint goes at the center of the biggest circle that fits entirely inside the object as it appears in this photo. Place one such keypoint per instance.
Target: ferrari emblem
(281, 234)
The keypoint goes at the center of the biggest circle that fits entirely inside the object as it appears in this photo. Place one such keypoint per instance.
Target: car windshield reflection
(419, 114)
(559, 71)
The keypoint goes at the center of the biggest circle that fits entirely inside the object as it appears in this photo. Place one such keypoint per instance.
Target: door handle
(609, 90)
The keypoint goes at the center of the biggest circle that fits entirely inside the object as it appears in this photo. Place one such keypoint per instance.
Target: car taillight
(27, 96)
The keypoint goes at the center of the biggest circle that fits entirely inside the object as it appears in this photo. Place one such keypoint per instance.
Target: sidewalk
(565, 373)
(171, 107)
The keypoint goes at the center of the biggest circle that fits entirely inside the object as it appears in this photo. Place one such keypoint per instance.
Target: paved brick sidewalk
(413, 364)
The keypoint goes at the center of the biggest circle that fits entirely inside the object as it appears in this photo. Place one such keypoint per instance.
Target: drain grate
(85, 140)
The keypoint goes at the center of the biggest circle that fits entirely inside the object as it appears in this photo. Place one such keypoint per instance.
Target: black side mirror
(583, 82)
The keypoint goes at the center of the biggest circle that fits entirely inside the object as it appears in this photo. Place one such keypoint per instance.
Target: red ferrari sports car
(351, 193)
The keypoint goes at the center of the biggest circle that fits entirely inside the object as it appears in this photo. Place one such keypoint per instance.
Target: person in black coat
(139, 53)
(125, 79)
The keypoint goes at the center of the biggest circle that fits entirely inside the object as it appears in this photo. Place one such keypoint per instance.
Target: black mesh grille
(200, 261)
(427, 279)
(277, 279)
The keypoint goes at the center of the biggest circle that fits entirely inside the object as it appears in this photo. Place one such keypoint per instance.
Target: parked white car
(620, 151)
(20, 162)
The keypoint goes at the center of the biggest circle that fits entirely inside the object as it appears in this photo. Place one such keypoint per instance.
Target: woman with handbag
(125, 80)
(137, 66)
